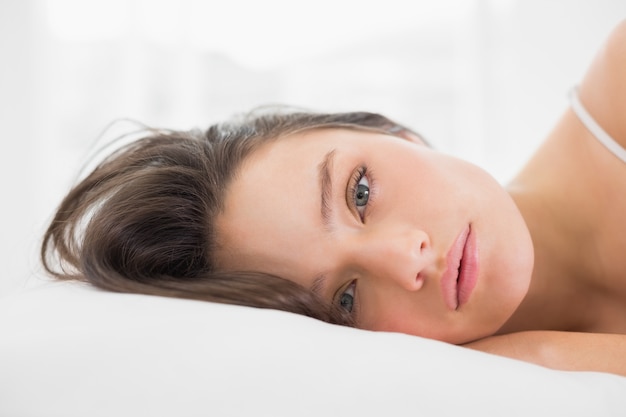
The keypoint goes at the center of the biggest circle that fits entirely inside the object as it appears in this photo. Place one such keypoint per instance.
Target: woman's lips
(459, 278)
(468, 272)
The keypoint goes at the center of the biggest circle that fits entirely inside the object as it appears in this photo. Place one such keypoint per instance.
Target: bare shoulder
(572, 197)
(603, 89)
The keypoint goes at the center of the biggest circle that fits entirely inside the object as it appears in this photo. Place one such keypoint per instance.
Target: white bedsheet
(69, 350)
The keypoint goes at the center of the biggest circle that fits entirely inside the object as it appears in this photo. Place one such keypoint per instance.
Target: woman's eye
(362, 193)
(346, 300)
(358, 192)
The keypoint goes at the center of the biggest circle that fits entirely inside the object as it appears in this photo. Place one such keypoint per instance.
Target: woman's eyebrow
(319, 284)
(326, 188)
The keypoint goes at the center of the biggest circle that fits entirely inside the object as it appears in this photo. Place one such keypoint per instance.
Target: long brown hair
(143, 220)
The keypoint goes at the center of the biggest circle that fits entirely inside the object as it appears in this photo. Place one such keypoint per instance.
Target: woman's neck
(557, 298)
(548, 194)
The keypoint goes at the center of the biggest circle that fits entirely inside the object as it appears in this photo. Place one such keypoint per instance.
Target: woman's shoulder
(569, 180)
(603, 88)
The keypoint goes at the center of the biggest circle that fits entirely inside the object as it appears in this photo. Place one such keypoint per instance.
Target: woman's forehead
(274, 195)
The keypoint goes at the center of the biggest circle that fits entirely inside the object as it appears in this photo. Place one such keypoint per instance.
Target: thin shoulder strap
(594, 127)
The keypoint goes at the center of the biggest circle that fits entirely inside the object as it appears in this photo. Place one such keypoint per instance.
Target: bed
(70, 350)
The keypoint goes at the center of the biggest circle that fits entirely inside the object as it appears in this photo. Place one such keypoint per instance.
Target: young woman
(352, 219)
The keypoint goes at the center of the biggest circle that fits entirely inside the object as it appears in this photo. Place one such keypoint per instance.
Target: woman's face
(405, 238)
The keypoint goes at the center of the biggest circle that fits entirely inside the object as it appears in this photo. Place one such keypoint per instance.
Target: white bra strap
(594, 127)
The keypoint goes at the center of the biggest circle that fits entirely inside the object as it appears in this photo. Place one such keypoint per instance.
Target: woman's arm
(567, 351)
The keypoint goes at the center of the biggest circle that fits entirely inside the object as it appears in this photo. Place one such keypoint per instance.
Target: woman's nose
(397, 256)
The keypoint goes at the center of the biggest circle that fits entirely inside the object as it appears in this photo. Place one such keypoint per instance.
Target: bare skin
(572, 195)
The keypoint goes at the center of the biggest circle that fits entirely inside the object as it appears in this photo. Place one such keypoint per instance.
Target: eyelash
(357, 176)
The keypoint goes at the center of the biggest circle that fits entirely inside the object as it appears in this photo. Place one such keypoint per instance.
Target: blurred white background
(481, 79)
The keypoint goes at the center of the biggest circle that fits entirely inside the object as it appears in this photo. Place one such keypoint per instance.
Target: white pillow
(69, 350)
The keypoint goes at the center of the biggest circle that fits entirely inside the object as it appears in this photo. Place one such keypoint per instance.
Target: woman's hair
(143, 220)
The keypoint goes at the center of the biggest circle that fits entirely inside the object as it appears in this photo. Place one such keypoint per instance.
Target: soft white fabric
(69, 350)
